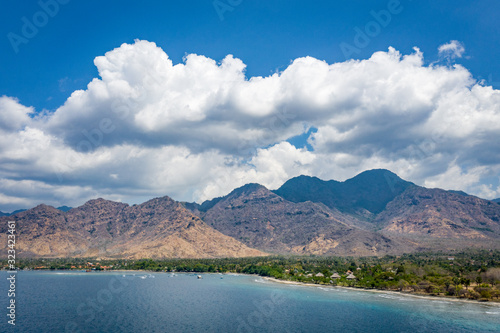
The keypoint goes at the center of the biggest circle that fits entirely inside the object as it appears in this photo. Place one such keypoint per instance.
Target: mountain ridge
(262, 219)
(159, 227)
(373, 213)
(363, 195)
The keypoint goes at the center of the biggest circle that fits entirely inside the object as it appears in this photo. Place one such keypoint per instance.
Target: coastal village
(467, 275)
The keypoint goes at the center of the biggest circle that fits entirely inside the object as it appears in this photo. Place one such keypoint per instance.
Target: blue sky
(266, 35)
(39, 74)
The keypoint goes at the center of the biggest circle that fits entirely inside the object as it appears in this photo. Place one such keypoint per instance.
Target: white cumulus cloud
(197, 129)
(453, 49)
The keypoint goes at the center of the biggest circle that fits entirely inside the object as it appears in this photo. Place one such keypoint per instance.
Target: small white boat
(199, 276)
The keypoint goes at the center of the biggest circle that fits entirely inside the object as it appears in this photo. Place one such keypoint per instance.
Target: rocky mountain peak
(248, 189)
(366, 194)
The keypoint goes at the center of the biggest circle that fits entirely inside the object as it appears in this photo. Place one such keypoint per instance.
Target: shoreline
(399, 293)
(271, 279)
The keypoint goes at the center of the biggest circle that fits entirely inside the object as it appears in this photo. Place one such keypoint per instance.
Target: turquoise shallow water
(161, 302)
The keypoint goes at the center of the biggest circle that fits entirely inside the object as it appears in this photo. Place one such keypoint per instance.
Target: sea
(62, 301)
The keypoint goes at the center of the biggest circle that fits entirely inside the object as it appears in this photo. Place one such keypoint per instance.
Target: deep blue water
(160, 302)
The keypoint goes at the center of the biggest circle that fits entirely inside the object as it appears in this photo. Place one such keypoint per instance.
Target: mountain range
(160, 227)
(374, 213)
(63, 208)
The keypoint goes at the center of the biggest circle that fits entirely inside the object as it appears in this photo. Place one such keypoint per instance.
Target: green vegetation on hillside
(370, 190)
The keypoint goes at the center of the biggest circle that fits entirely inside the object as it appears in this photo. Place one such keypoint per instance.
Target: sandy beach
(450, 298)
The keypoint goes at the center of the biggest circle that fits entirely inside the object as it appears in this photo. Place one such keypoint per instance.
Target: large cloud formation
(198, 129)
